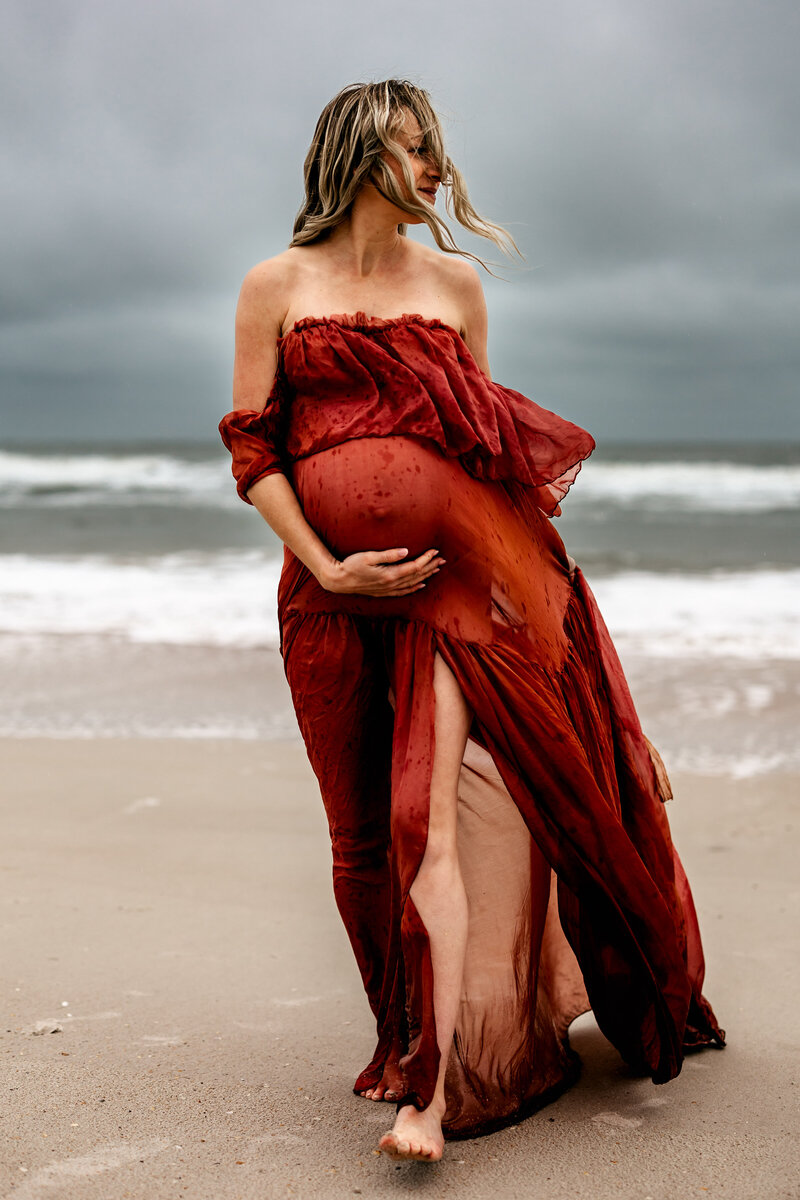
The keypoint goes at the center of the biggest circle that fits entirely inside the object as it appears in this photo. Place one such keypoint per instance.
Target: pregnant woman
(501, 855)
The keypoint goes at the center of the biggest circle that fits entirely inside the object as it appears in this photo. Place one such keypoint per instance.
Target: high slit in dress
(391, 435)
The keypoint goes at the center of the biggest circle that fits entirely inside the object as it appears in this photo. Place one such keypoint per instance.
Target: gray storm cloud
(645, 156)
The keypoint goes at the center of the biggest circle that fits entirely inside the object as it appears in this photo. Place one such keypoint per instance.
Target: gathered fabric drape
(392, 436)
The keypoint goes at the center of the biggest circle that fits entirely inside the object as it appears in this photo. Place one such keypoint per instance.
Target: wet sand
(166, 907)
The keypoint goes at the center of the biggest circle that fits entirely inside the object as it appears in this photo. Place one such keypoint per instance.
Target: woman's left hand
(380, 572)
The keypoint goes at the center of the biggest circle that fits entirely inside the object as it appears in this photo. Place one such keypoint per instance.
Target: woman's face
(423, 169)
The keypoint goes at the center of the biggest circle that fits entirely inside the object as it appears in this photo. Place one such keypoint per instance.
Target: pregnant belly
(378, 493)
(501, 570)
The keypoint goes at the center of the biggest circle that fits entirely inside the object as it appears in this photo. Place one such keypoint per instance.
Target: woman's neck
(367, 242)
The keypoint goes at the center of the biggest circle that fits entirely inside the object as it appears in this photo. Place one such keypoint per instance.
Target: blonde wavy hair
(354, 133)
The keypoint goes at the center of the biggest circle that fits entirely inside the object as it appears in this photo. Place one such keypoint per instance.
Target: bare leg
(439, 897)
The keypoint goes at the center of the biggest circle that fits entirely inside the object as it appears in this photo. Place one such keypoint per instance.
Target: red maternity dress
(392, 436)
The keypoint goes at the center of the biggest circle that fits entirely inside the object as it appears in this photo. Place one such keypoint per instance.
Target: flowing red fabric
(392, 436)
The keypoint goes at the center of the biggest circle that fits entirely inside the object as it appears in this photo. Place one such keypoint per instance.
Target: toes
(399, 1146)
(390, 1145)
(378, 1093)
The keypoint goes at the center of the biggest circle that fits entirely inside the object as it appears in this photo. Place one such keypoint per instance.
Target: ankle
(437, 1107)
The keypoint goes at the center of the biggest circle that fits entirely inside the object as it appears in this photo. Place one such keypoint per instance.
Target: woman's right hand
(380, 573)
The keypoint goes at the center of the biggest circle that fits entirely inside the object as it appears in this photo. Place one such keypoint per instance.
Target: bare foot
(416, 1135)
(390, 1084)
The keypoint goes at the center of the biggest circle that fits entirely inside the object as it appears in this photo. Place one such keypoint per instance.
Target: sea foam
(229, 599)
(57, 479)
(222, 599)
(169, 479)
(689, 486)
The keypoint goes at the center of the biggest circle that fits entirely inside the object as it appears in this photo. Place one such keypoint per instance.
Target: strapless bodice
(353, 376)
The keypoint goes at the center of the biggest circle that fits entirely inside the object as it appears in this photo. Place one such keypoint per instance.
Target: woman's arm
(259, 318)
(475, 320)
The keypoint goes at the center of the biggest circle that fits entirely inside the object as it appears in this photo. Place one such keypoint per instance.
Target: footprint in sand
(63, 1173)
(614, 1120)
(139, 805)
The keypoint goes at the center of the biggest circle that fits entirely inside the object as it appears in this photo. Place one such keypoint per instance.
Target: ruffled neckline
(327, 392)
(360, 322)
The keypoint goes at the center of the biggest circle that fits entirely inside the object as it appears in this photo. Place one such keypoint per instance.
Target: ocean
(137, 595)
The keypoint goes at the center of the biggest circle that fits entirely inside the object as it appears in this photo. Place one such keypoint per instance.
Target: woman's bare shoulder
(465, 279)
(454, 275)
(272, 275)
(458, 285)
(267, 287)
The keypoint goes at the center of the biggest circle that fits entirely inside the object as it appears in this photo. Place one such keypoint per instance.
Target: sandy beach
(184, 1016)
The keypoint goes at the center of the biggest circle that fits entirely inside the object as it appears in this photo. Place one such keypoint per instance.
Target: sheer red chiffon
(392, 436)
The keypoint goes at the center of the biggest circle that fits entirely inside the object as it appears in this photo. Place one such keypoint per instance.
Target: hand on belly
(382, 572)
(374, 492)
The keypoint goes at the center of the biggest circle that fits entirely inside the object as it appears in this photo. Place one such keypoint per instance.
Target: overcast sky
(645, 154)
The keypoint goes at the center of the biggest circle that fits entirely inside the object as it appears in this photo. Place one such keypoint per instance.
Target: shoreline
(168, 903)
(718, 717)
